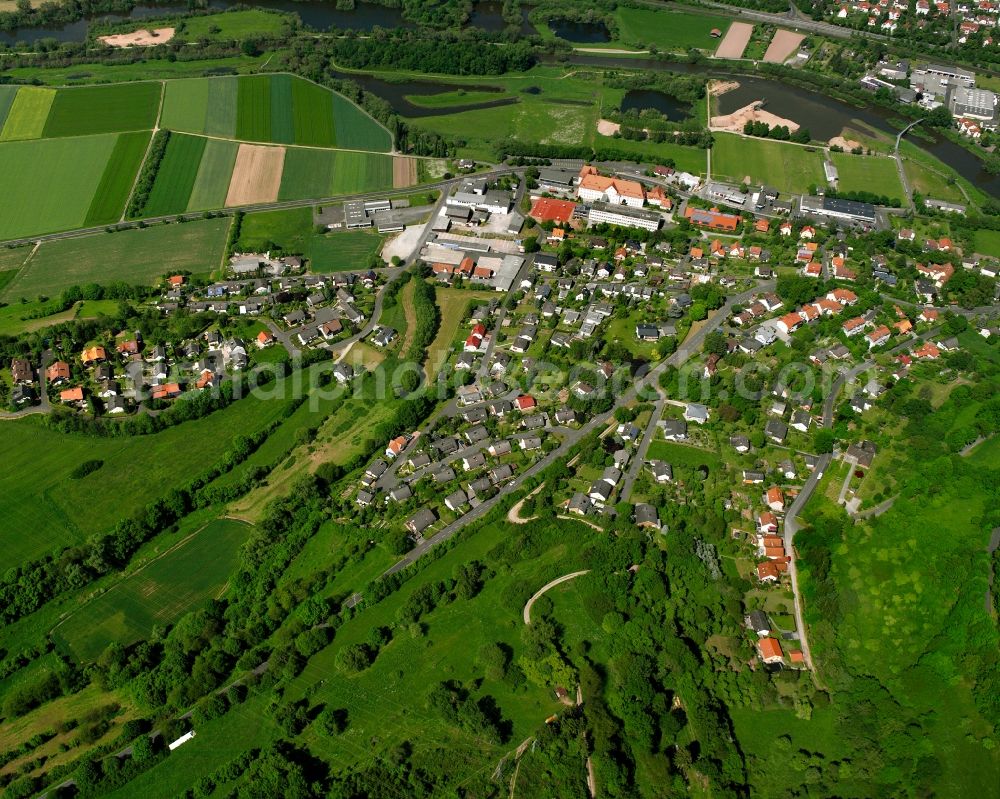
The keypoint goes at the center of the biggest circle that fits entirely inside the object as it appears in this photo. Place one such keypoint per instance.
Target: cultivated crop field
(116, 182)
(51, 184)
(279, 109)
(33, 112)
(787, 167)
(173, 584)
(137, 257)
(176, 176)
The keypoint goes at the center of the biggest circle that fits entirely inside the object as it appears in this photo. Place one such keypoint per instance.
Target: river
(321, 15)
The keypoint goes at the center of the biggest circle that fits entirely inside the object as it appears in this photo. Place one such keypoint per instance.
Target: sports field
(50, 184)
(669, 30)
(868, 173)
(159, 594)
(787, 167)
(279, 109)
(134, 256)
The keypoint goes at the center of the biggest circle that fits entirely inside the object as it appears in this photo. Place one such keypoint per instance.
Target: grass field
(668, 30)
(867, 173)
(116, 182)
(246, 24)
(44, 510)
(214, 174)
(988, 242)
(787, 167)
(49, 185)
(292, 230)
(159, 594)
(88, 110)
(27, 114)
(279, 108)
(453, 304)
(176, 176)
(7, 95)
(683, 455)
(135, 256)
(931, 183)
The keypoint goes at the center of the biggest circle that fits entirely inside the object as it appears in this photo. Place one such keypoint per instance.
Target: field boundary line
(145, 155)
(21, 269)
(123, 578)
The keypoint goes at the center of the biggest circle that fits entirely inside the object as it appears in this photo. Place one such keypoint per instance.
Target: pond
(580, 32)
(488, 15)
(641, 99)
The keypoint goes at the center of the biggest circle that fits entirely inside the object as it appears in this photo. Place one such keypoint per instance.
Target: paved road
(640, 452)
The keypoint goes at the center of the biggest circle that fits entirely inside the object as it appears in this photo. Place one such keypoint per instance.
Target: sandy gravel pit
(139, 38)
(256, 175)
(735, 121)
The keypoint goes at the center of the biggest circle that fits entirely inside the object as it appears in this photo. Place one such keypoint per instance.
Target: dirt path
(546, 587)
(514, 514)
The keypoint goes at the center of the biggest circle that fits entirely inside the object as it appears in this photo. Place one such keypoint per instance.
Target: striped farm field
(214, 175)
(159, 594)
(116, 182)
(279, 109)
(27, 115)
(7, 95)
(86, 110)
(253, 109)
(220, 115)
(328, 173)
(312, 110)
(176, 176)
(49, 185)
(356, 130)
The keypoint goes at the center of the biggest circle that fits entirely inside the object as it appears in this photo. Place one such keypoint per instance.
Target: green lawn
(138, 257)
(454, 303)
(159, 594)
(44, 509)
(49, 185)
(683, 455)
(867, 173)
(988, 242)
(176, 176)
(244, 24)
(84, 111)
(292, 230)
(113, 191)
(788, 167)
(932, 183)
(668, 30)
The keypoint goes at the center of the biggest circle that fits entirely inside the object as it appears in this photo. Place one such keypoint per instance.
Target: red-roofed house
(878, 336)
(776, 498)
(770, 650)
(396, 446)
(789, 322)
(264, 339)
(767, 572)
(928, 315)
(927, 352)
(525, 402)
(71, 395)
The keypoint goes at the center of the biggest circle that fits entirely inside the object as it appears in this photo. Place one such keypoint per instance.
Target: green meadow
(138, 256)
(867, 173)
(668, 30)
(159, 594)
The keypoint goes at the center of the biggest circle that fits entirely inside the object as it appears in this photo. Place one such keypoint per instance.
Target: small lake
(580, 32)
(641, 99)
